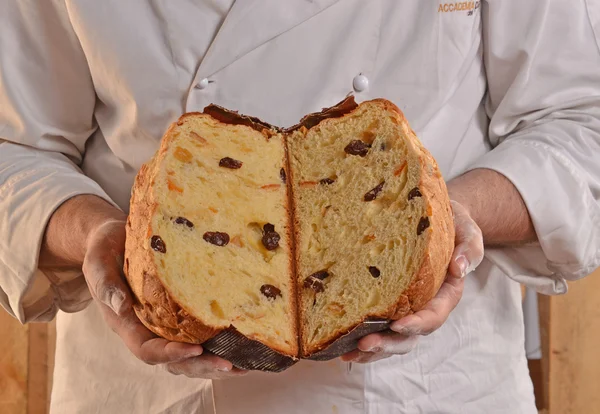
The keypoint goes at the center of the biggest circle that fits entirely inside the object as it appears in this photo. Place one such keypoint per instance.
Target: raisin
(327, 181)
(414, 193)
(423, 224)
(357, 147)
(372, 194)
(282, 175)
(158, 244)
(183, 220)
(313, 283)
(216, 238)
(374, 271)
(321, 274)
(270, 238)
(382, 147)
(270, 291)
(230, 163)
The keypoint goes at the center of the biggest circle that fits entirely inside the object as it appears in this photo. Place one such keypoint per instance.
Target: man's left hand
(404, 333)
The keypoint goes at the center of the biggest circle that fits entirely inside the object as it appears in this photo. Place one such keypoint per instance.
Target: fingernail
(117, 299)
(375, 349)
(408, 328)
(224, 369)
(404, 330)
(194, 353)
(463, 265)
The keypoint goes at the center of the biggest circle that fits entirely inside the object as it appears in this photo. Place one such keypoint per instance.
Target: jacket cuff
(27, 200)
(565, 215)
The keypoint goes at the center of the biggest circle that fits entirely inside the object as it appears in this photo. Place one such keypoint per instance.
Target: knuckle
(148, 361)
(478, 248)
(145, 358)
(103, 289)
(172, 369)
(428, 331)
(433, 326)
(113, 328)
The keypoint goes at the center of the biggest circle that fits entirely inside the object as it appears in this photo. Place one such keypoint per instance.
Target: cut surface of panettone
(366, 195)
(269, 245)
(215, 235)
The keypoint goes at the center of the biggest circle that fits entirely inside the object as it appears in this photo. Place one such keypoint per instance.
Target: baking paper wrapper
(349, 341)
(248, 354)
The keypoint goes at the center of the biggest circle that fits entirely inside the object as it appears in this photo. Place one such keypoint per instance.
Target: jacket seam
(589, 16)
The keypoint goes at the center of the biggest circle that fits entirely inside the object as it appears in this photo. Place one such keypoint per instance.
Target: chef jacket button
(360, 83)
(202, 84)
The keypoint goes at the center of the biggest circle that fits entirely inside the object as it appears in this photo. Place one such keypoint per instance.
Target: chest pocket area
(459, 23)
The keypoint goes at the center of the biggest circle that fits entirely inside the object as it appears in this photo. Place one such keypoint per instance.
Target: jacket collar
(251, 23)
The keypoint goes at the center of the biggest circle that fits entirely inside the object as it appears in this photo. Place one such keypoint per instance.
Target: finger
(143, 343)
(105, 281)
(468, 251)
(361, 357)
(388, 343)
(107, 285)
(435, 312)
(205, 366)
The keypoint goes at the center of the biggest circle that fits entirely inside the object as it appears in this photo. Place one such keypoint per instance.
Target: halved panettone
(269, 245)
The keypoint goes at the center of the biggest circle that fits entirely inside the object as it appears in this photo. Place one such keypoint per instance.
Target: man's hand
(86, 231)
(404, 333)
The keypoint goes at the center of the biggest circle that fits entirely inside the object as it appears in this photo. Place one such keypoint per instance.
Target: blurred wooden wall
(567, 378)
(26, 363)
(570, 334)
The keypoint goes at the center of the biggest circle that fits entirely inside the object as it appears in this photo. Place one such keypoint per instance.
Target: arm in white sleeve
(46, 115)
(542, 62)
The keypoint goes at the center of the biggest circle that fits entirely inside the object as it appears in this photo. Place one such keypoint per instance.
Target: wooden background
(567, 379)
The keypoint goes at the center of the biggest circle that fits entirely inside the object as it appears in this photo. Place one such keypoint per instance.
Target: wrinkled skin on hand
(404, 333)
(102, 268)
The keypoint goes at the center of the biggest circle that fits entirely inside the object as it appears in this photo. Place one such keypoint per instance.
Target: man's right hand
(87, 231)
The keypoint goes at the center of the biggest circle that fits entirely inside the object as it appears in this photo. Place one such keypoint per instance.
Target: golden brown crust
(429, 278)
(234, 118)
(336, 111)
(154, 305)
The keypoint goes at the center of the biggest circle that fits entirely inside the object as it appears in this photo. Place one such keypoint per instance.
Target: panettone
(270, 245)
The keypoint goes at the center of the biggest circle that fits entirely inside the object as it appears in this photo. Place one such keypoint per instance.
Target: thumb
(106, 283)
(468, 250)
(102, 268)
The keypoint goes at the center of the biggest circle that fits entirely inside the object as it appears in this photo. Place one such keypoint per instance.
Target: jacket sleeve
(46, 116)
(542, 62)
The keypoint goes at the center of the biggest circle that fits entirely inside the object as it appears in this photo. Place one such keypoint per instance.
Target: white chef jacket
(87, 89)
